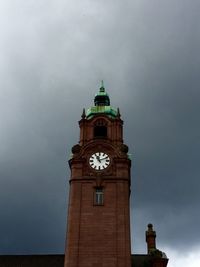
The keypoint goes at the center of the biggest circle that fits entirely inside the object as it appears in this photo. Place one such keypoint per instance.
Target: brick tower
(98, 232)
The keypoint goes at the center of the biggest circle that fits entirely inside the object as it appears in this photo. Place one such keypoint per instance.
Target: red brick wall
(99, 235)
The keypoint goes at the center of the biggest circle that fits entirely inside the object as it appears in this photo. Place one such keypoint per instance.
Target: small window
(98, 196)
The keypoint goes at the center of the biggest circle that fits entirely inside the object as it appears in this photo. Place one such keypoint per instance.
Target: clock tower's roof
(101, 105)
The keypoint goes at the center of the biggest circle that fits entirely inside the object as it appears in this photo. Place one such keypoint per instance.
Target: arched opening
(100, 129)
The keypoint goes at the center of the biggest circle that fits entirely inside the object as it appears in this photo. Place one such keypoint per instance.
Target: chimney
(150, 239)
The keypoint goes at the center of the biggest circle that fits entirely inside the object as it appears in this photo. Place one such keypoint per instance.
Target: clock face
(99, 161)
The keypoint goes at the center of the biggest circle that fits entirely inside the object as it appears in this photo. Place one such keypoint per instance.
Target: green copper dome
(101, 105)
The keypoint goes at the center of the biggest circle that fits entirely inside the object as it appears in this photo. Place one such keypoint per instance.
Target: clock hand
(97, 157)
(104, 158)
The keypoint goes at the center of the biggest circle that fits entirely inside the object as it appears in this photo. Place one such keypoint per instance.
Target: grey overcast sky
(53, 55)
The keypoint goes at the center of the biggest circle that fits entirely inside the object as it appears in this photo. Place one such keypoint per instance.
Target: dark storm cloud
(53, 56)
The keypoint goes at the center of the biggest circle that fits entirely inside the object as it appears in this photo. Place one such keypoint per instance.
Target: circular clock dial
(99, 161)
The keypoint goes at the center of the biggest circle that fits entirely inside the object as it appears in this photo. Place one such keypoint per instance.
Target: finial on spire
(102, 89)
(83, 114)
(118, 113)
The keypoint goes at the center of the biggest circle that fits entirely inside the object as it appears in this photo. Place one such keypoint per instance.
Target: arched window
(100, 129)
(98, 196)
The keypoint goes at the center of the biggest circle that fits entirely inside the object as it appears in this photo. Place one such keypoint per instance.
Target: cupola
(102, 98)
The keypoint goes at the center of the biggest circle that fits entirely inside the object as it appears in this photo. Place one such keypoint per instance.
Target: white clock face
(99, 161)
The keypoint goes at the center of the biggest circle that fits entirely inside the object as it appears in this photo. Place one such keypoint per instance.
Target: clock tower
(98, 231)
